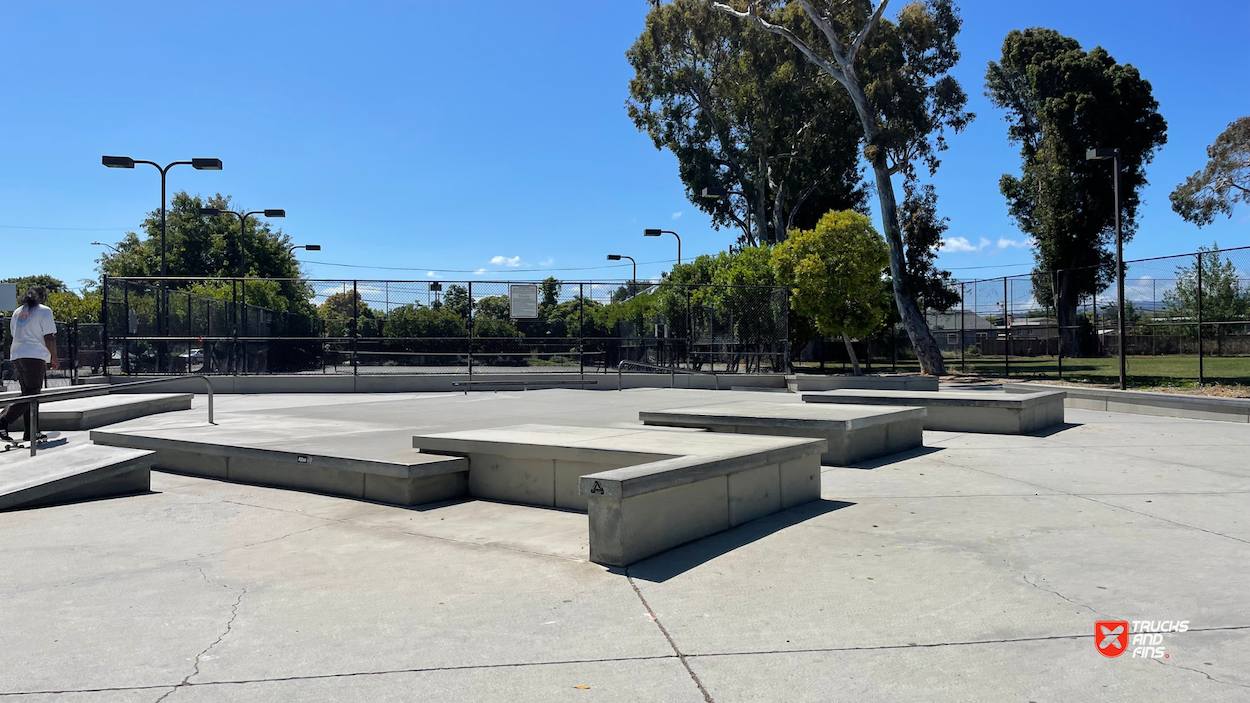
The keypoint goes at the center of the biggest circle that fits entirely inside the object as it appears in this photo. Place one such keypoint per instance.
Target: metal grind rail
(91, 392)
(672, 372)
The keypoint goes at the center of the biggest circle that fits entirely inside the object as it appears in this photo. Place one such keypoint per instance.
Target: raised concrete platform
(799, 383)
(1146, 403)
(90, 413)
(853, 433)
(72, 473)
(368, 382)
(646, 490)
(354, 465)
(964, 411)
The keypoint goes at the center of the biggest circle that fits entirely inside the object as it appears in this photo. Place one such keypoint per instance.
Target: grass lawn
(1143, 371)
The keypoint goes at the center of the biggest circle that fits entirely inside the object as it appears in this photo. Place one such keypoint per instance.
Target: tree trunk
(1066, 312)
(850, 351)
(762, 201)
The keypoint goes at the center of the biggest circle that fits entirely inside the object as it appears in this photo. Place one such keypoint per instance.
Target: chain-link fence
(258, 326)
(1187, 320)
(79, 346)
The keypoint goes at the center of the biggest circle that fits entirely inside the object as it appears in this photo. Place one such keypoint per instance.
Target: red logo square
(1111, 637)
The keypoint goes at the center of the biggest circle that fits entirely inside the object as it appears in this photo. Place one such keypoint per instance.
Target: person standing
(33, 352)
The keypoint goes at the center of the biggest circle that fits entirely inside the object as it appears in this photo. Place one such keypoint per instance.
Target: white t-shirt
(29, 327)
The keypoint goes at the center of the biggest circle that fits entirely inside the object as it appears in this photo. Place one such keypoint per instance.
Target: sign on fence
(523, 301)
(8, 297)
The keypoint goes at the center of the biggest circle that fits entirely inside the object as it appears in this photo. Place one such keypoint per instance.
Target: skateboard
(44, 438)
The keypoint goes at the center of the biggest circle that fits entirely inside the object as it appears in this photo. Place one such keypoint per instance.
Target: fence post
(73, 354)
(963, 335)
(242, 324)
(470, 321)
(581, 331)
(355, 328)
(1054, 295)
(1006, 332)
(126, 321)
(1200, 369)
(689, 331)
(104, 325)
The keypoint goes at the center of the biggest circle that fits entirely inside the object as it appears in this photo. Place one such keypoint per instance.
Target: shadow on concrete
(890, 459)
(1054, 429)
(679, 560)
(53, 501)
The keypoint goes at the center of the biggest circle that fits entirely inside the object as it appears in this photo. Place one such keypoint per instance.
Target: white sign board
(523, 301)
(8, 297)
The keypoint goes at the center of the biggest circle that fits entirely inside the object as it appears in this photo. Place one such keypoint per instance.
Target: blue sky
(433, 137)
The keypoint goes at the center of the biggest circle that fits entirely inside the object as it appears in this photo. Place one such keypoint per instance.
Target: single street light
(633, 286)
(213, 211)
(1104, 154)
(658, 232)
(715, 192)
(305, 247)
(110, 246)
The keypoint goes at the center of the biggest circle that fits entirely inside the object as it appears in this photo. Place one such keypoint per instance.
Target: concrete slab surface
(89, 413)
(62, 473)
(972, 570)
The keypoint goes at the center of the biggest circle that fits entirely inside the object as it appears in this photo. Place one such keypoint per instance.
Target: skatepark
(639, 544)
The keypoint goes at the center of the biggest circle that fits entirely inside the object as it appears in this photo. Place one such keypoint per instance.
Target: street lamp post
(211, 211)
(658, 232)
(305, 247)
(197, 164)
(110, 246)
(1101, 154)
(633, 285)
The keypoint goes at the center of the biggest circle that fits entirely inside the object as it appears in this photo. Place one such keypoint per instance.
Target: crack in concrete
(234, 614)
(680, 657)
(1199, 671)
(1057, 593)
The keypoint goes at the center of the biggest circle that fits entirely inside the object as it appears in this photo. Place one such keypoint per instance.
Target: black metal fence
(1187, 321)
(265, 326)
(79, 346)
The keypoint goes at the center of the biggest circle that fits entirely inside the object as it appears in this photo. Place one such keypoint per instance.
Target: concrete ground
(973, 570)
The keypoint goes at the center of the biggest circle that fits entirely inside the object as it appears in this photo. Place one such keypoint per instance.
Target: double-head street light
(212, 211)
(1101, 154)
(127, 162)
(658, 232)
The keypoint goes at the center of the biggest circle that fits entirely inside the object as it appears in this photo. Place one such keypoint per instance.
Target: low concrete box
(901, 382)
(992, 412)
(645, 490)
(72, 473)
(409, 480)
(90, 413)
(853, 433)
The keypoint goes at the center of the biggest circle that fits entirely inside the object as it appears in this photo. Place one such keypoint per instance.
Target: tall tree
(52, 285)
(834, 275)
(896, 74)
(1060, 101)
(933, 288)
(1223, 183)
(743, 112)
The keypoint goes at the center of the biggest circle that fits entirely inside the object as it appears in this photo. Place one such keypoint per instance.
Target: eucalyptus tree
(896, 74)
(1223, 183)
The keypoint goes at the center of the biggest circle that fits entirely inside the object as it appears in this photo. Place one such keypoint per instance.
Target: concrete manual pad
(853, 432)
(994, 412)
(99, 411)
(646, 490)
(799, 383)
(72, 473)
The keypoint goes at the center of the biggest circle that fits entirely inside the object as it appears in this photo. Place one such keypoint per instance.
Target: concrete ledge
(422, 478)
(964, 411)
(90, 413)
(384, 383)
(853, 433)
(904, 382)
(72, 473)
(1144, 403)
(646, 490)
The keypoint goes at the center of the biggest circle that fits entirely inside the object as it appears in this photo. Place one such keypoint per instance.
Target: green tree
(834, 275)
(456, 300)
(1224, 298)
(1223, 183)
(897, 76)
(53, 285)
(742, 111)
(932, 287)
(338, 311)
(492, 307)
(1061, 100)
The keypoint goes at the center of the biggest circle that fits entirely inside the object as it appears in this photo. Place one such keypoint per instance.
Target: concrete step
(73, 472)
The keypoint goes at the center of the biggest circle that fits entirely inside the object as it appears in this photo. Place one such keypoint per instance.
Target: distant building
(946, 329)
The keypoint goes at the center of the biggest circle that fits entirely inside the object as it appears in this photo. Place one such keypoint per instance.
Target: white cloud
(956, 244)
(1004, 242)
(550, 261)
(509, 261)
(480, 271)
(430, 274)
(677, 215)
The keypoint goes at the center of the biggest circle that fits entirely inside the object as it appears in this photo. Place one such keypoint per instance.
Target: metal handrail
(90, 392)
(672, 372)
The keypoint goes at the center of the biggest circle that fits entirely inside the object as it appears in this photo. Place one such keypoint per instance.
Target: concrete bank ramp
(853, 432)
(964, 411)
(65, 474)
(99, 411)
